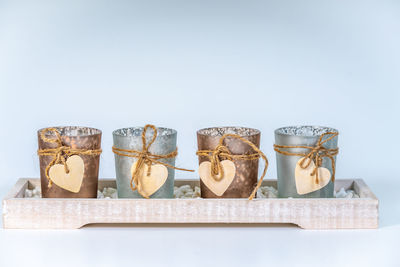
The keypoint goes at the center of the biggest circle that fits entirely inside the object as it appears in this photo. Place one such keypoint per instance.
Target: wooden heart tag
(305, 182)
(72, 180)
(217, 187)
(149, 184)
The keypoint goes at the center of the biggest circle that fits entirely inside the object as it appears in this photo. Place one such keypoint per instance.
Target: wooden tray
(311, 213)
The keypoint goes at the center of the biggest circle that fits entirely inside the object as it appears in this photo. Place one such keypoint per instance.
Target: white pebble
(197, 192)
(341, 193)
(112, 190)
(99, 194)
(28, 193)
(267, 192)
(108, 192)
(186, 188)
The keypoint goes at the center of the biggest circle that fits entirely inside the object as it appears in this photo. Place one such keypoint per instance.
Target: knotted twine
(61, 153)
(222, 152)
(317, 153)
(145, 157)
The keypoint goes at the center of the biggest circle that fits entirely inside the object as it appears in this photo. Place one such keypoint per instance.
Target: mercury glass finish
(246, 170)
(296, 136)
(75, 137)
(131, 138)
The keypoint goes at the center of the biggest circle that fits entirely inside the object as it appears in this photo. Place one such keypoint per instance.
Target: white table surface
(223, 245)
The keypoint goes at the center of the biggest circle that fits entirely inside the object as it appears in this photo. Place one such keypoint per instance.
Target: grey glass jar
(301, 136)
(131, 139)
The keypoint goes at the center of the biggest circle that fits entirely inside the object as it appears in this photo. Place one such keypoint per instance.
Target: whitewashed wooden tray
(315, 213)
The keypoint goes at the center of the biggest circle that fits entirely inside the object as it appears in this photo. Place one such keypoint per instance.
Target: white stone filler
(34, 193)
(345, 194)
(186, 191)
(108, 192)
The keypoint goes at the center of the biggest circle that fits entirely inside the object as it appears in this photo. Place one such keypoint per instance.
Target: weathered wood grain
(52, 213)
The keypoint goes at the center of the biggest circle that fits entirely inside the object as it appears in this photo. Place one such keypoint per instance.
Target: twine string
(61, 153)
(145, 157)
(316, 154)
(221, 152)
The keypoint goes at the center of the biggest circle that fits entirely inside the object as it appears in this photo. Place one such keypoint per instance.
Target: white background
(193, 64)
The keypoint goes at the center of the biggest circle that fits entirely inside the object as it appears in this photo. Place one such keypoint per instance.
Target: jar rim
(221, 130)
(306, 131)
(73, 131)
(137, 131)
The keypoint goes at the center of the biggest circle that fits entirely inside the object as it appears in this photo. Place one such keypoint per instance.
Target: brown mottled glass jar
(246, 170)
(75, 137)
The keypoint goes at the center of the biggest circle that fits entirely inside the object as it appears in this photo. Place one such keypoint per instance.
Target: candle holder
(127, 143)
(305, 158)
(59, 144)
(246, 171)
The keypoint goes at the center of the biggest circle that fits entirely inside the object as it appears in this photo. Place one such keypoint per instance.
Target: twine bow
(222, 152)
(145, 157)
(60, 153)
(317, 153)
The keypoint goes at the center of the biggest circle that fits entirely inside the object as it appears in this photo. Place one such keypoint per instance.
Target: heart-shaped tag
(72, 180)
(149, 184)
(305, 182)
(217, 187)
